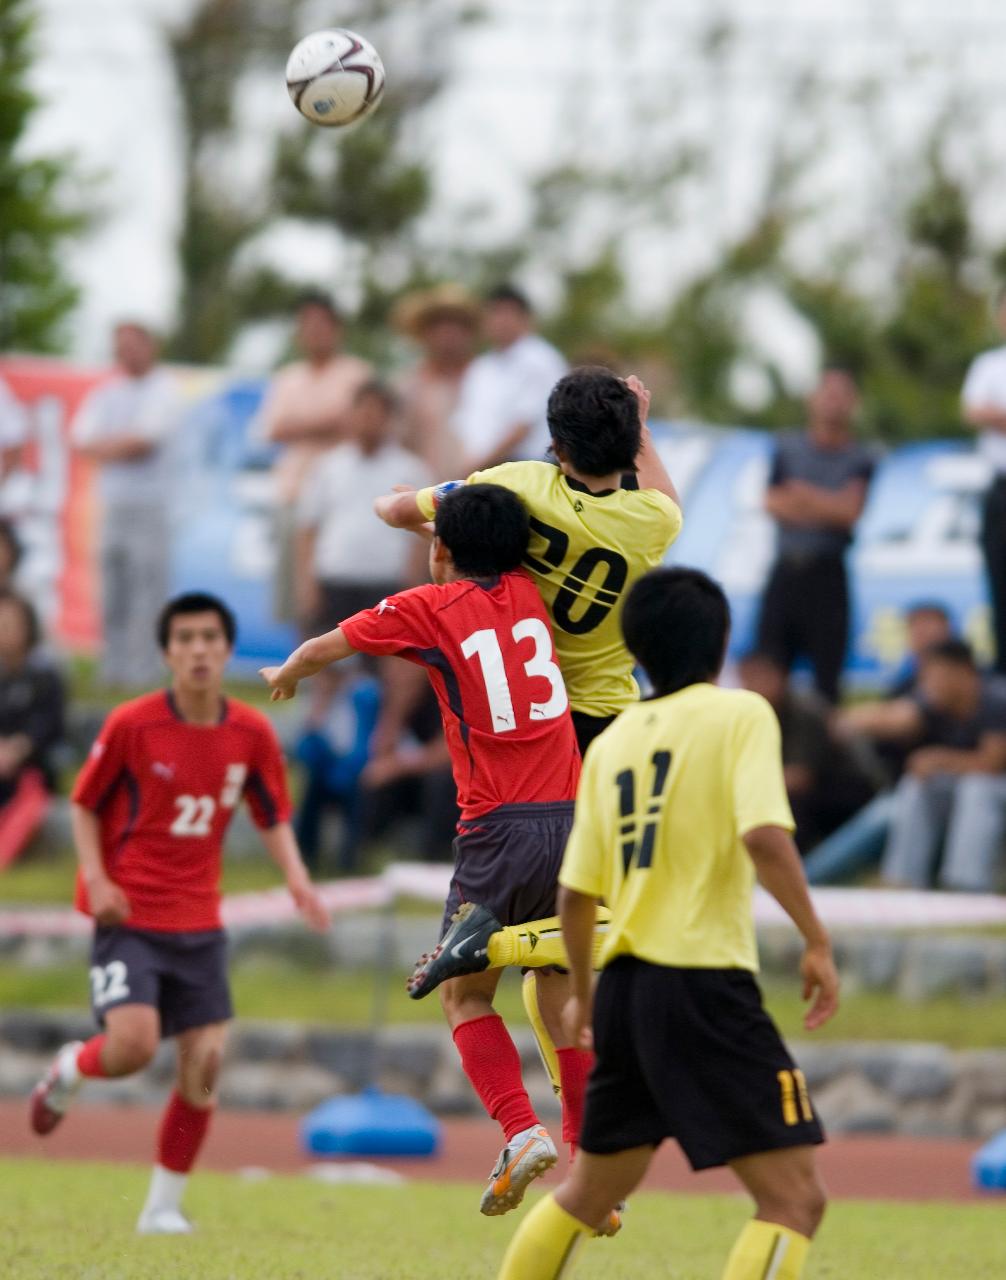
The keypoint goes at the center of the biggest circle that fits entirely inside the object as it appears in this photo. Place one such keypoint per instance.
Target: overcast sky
(539, 80)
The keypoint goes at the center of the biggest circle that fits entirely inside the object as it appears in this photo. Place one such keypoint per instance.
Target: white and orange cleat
(525, 1157)
(54, 1092)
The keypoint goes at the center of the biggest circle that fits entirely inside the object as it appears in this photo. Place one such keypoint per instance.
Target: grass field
(74, 1222)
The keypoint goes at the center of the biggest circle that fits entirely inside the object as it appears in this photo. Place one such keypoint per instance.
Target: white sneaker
(525, 1157)
(164, 1222)
(54, 1092)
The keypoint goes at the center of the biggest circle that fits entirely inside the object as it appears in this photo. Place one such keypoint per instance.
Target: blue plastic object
(370, 1123)
(988, 1166)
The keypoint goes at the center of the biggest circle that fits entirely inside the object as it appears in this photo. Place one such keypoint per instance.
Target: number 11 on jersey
(638, 845)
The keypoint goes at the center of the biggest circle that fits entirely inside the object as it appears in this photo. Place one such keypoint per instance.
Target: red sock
(575, 1066)
(492, 1064)
(89, 1058)
(183, 1128)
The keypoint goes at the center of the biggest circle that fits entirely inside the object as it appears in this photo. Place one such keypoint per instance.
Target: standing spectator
(306, 411)
(824, 783)
(984, 408)
(501, 414)
(31, 725)
(13, 430)
(816, 493)
(444, 321)
(123, 426)
(347, 559)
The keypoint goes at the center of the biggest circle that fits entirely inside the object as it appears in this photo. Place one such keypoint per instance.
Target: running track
(863, 1167)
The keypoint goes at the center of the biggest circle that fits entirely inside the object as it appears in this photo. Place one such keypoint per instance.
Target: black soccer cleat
(464, 948)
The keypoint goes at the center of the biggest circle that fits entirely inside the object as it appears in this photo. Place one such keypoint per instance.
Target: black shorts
(691, 1054)
(587, 728)
(509, 861)
(182, 975)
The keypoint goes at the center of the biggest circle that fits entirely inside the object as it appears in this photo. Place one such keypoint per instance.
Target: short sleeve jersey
(488, 650)
(668, 791)
(798, 457)
(165, 791)
(587, 549)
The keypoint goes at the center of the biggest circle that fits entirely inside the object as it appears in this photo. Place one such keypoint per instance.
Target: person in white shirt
(347, 559)
(984, 408)
(124, 427)
(501, 412)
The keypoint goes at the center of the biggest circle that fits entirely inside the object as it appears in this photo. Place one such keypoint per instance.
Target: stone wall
(916, 1089)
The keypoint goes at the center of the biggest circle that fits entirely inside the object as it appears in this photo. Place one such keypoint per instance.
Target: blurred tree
(37, 215)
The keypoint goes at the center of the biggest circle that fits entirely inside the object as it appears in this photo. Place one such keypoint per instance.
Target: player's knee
(132, 1048)
(814, 1203)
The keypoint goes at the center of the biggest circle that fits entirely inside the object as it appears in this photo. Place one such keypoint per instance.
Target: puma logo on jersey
(384, 606)
(166, 771)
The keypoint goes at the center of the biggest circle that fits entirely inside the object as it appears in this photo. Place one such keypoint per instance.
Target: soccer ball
(335, 77)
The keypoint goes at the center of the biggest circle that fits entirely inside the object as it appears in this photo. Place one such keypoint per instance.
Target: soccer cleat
(525, 1157)
(614, 1222)
(54, 1092)
(464, 948)
(164, 1222)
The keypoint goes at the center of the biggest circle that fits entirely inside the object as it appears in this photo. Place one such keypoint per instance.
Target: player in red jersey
(150, 809)
(482, 633)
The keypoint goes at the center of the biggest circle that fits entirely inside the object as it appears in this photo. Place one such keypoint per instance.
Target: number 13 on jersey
(485, 645)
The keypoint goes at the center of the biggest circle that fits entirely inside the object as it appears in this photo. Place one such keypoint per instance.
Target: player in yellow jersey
(682, 801)
(602, 514)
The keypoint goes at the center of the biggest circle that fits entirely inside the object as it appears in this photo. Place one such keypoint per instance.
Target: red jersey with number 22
(488, 649)
(165, 791)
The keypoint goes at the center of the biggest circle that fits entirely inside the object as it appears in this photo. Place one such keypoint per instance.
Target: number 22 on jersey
(485, 645)
(196, 813)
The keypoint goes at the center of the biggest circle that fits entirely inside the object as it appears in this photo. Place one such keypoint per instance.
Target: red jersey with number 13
(489, 652)
(165, 791)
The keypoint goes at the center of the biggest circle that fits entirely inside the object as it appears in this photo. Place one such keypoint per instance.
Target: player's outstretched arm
(781, 872)
(109, 905)
(314, 655)
(578, 914)
(650, 470)
(281, 845)
(400, 509)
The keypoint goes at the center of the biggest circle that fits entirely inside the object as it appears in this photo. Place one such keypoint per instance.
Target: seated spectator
(334, 750)
(952, 797)
(31, 725)
(927, 624)
(347, 559)
(824, 783)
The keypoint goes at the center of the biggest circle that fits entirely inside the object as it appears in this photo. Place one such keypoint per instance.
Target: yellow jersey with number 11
(587, 549)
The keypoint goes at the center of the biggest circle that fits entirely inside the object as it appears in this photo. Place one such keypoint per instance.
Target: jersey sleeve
(585, 863)
(428, 499)
(265, 787)
(104, 764)
(400, 624)
(666, 521)
(759, 789)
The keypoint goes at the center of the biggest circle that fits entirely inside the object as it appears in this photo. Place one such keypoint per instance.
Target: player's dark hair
(195, 602)
(511, 294)
(380, 391)
(956, 652)
(594, 421)
(323, 301)
(485, 528)
(8, 536)
(29, 615)
(675, 623)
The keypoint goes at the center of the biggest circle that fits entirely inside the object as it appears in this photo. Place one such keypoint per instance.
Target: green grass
(75, 1222)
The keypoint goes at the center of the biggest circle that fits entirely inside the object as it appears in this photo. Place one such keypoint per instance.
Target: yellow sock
(545, 1244)
(537, 944)
(550, 1060)
(767, 1251)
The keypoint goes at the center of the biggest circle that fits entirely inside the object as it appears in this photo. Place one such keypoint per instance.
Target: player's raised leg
(492, 1064)
(789, 1205)
(184, 1126)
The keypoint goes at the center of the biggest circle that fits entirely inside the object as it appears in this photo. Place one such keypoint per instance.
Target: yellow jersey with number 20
(586, 551)
(666, 794)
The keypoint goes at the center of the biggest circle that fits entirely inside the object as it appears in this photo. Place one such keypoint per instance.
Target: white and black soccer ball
(335, 77)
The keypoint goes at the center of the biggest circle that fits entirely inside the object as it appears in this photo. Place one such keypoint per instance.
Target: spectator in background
(11, 554)
(501, 413)
(953, 793)
(816, 492)
(984, 408)
(347, 559)
(824, 782)
(306, 410)
(31, 725)
(13, 430)
(124, 427)
(444, 321)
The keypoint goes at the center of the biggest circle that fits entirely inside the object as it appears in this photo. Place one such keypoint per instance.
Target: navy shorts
(509, 861)
(182, 975)
(691, 1054)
